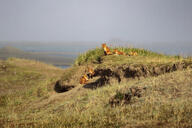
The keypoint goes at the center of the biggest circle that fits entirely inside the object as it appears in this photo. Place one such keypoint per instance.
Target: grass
(90, 56)
(96, 59)
(28, 99)
(165, 103)
(97, 55)
(23, 81)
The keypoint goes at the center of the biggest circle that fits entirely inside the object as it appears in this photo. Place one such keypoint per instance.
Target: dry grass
(24, 81)
(166, 101)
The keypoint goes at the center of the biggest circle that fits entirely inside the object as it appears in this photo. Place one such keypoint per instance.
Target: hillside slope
(154, 91)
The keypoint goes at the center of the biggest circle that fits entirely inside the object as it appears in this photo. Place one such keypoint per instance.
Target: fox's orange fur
(116, 52)
(91, 71)
(133, 53)
(106, 49)
(84, 79)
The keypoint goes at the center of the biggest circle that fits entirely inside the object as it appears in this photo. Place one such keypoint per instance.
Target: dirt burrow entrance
(59, 88)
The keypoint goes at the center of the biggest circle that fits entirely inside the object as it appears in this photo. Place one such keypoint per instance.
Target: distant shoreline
(63, 66)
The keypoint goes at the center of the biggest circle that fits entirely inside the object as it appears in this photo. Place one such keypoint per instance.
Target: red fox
(91, 72)
(84, 79)
(133, 53)
(116, 52)
(87, 76)
(106, 49)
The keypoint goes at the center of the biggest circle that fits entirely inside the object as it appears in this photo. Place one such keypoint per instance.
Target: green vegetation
(90, 56)
(97, 55)
(148, 90)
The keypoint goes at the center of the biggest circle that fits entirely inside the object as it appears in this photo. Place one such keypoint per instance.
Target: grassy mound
(96, 55)
(120, 67)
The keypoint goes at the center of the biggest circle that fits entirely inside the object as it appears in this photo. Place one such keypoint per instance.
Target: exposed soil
(137, 71)
(62, 88)
(106, 75)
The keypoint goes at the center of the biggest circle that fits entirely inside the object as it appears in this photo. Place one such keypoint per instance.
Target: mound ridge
(114, 68)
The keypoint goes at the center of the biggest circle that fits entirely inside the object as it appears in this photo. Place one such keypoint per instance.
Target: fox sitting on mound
(116, 52)
(133, 54)
(106, 49)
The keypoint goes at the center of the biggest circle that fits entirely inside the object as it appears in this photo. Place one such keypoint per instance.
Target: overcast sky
(96, 20)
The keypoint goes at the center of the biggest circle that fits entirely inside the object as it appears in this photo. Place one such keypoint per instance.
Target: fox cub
(106, 49)
(87, 76)
(84, 79)
(133, 54)
(116, 52)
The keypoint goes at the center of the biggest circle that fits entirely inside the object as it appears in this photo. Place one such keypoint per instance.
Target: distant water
(63, 66)
(177, 48)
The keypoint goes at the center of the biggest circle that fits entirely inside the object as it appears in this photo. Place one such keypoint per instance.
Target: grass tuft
(90, 56)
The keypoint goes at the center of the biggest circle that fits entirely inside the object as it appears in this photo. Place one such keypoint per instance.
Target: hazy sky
(96, 20)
